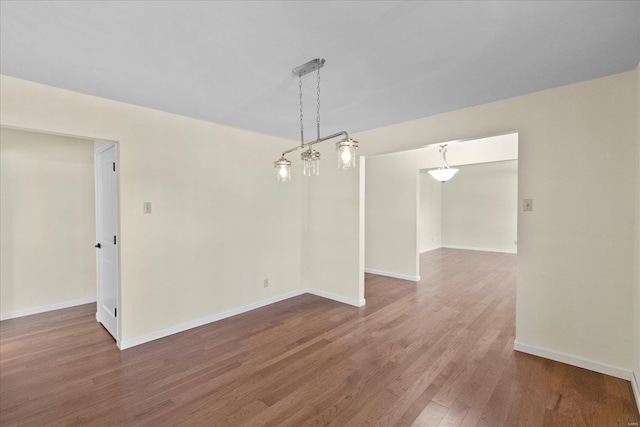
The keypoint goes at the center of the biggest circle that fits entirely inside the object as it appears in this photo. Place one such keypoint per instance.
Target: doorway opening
(48, 222)
(395, 232)
(477, 210)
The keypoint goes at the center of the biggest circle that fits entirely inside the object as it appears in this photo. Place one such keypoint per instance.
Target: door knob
(98, 246)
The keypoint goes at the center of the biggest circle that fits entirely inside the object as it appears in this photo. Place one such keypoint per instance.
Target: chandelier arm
(309, 144)
(346, 135)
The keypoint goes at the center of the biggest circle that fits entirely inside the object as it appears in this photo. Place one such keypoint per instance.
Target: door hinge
(114, 240)
(115, 312)
(114, 166)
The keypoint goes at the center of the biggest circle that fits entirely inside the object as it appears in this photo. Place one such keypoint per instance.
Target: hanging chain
(318, 115)
(301, 117)
(301, 110)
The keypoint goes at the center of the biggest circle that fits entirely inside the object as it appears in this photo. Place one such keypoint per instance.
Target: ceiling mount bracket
(310, 66)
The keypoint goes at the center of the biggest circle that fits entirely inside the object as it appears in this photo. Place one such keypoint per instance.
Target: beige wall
(332, 219)
(391, 213)
(576, 249)
(220, 222)
(480, 207)
(430, 213)
(636, 328)
(47, 220)
(218, 214)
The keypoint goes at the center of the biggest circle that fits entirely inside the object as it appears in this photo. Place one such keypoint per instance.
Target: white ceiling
(387, 62)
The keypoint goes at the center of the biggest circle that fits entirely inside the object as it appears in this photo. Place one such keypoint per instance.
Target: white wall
(480, 207)
(220, 222)
(391, 201)
(575, 250)
(47, 221)
(636, 308)
(391, 215)
(328, 204)
(214, 227)
(430, 213)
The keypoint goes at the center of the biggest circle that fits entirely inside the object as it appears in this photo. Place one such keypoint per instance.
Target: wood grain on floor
(434, 353)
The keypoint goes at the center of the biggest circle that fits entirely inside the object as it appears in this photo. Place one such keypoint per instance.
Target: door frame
(97, 151)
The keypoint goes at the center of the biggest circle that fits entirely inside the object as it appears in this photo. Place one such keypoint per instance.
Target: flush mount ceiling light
(346, 147)
(444, 172)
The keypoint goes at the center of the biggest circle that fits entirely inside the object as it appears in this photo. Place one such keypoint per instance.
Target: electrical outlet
(147, 207)
(266, 283)
(527, 205)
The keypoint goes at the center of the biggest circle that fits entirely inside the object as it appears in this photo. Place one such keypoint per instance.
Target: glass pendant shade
(283, 169)
(443, 174)
(311, 162)
(347, 153)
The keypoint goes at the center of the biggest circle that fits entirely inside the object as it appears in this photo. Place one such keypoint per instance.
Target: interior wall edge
(328, 295)
(392, 274)
(635, 339)
(572, 360)
(636, 389)
(162, 333)
(430, 249)
(47, 308)
(474, 248)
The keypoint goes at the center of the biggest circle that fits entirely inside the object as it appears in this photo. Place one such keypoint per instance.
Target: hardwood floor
(435, 353)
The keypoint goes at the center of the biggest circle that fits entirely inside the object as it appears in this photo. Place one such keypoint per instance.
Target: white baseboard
(636, 388)
(471, 248)
(44, 309)
(602, 368)
(394, 275)
(354, 302)
(430, 249)
(132, 342)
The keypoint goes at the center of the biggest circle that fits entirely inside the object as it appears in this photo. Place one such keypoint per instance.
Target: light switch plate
(527, 205)
(147, 207)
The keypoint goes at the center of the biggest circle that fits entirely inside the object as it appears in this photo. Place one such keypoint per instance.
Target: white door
(107, 237)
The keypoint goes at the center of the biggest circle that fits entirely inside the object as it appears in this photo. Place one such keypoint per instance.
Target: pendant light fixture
(346, 147)
(347, 153)
(444, 172)
(284, 169)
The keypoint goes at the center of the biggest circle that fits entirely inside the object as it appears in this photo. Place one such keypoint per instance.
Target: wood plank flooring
(434, 353)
